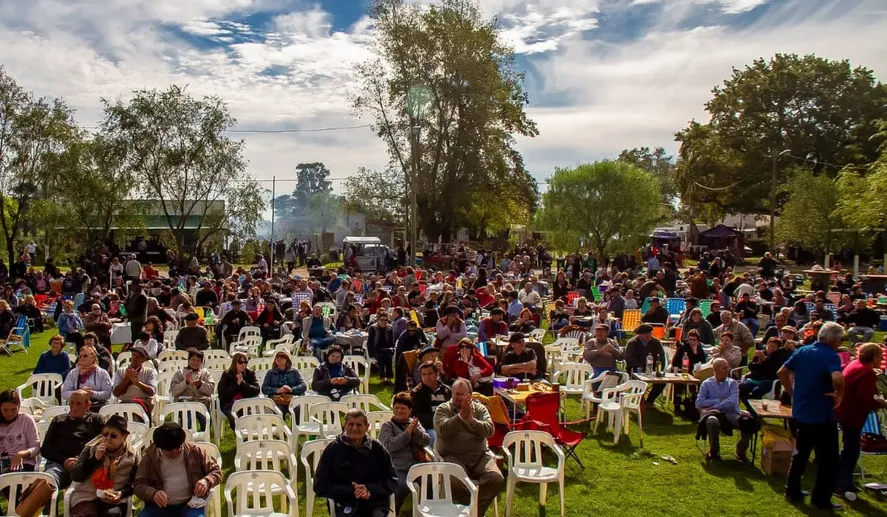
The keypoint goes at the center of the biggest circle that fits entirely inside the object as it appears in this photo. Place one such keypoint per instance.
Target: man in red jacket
(860, 390)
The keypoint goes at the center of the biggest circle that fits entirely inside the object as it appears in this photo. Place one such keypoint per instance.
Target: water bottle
(649, 364)
(685, 364)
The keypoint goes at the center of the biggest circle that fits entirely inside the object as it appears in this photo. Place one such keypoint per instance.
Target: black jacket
(66, 436)
(425, 401)
(228, 387)
(137, 308)
(697, 358)
(660, 315)
(341, 464)
(379, 339)
(636, 353)
(766, 370)
(322, 385)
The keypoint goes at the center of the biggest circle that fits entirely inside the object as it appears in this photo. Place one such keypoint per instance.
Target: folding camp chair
(872, 426)
(19, 336)
(542, 415)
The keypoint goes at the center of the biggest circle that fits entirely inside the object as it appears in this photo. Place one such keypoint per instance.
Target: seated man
(193, 336)
(519, 361)
(601, 352)
(233, 320)
(67, 436)
(138, 382)
(863, 321)
(429, 394)
(462, 426)
(355, 471)
(718, 403)
(748, 313)
(171, 472)
(493, 326)
(727, 351)
(763, 370)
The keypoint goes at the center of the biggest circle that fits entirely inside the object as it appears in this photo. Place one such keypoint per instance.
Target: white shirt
(531, 298)
(32, 248)
(175, 479)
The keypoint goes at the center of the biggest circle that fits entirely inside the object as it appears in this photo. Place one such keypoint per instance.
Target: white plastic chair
(250, 346)
(574, 376)
(137, 433)
(618, 403)
(604, 381)
(375, 419)
(42, 428)
(367, 402)
(301, 420)
(249, 330)
(330, 416)
(169, 337)
(171, 365)
(261, 363)
(538, 334)
(173, 355)
(185, 414)
(286, 343)
(437, 477)
(308, 376)
(52, 412)
(254, 493)
(216, 354)
(361, 368)
(123, 359)
(261, 427)
(130, 411)
(214, 504)
(162, 395)
(43, 386)
(310, 456)
(255, 406)
(17, 482)
(269, 455)
(217, 366)
(526, 465)
(305, 361)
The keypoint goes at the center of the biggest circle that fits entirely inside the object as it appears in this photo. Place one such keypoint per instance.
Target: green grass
(617, 480)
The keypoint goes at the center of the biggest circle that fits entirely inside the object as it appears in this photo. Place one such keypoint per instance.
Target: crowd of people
(435, 335)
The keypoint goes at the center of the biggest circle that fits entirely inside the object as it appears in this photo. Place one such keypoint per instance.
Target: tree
(809, 216)
(378, 195)
(32, 133)
(492, 210)
(660, 165)
(861, 192)
(773, 115)
(606, 203)
(326, 211)
(176, 145)
(476, 107)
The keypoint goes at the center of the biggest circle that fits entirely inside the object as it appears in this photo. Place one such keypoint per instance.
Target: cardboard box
(776, 454)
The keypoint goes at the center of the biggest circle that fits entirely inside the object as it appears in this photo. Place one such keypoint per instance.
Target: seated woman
(464, 361)
(104, 473)
(154, 328)
(89, 377)
(333, 378)
(283, 381)
(403, 437)
(69, 322)
(237, 382)
(703, 329)
(762, 370)
(727, 350)
(691, 346)
(106, 361)
(193, 382)
(28, 308)
(269, 320)
(54, 360)
(349, 320)
(524, 322)
(19, 441)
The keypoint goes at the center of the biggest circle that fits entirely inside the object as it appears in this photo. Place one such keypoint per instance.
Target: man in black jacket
(429, 394)
(355, 471)
(863, 321)
(67, 436)
(136, 309)
(636, 351)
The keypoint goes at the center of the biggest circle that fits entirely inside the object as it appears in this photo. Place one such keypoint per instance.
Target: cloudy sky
(602, 75)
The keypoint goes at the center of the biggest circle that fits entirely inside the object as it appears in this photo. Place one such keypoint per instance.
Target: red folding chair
(543, 415)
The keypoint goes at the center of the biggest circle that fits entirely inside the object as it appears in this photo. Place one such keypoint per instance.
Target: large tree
(809, 216)
(773, 115)
(189, 169)
(377, 194)
(612, 205)
(33, 132)
(493, 209)
(476, 100)
(660, 165)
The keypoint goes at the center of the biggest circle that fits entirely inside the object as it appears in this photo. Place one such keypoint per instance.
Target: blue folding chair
(19, 336)
(872, 426)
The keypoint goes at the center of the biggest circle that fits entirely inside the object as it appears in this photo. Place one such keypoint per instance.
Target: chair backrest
(15, 483)
(432, 483)
(169, 337)
(171, 365)
(43, 387)
(52, 412)
(268, 455)
(367, 402)
(375, 419)
(255, 406)
(305, 361)
(307, 375)
(544, 408)
(538, 334)
(330, 415)
(675, 306)
(611, 380)
(216, 354)
(361, 368)
(528, 446)
(705, 307)
(123, 359)
(310, 456)
(632, 394)
(572, 297)
(211, 450)
(248, 331)
(217, 366)
(130, 411)
(261, 363)
(173, 355)
(42, 428)
(252, 493)
(137, 433)
(631, 318)
(185, 414)
(579, 335)
(658, 330)
(249, 345)
(574, 375)
(164, 383)
(260, 427)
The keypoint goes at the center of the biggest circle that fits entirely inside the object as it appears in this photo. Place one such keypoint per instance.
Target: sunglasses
(112, 436)
(242, 362)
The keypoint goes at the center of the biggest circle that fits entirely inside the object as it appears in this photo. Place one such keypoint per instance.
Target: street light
(418, 99)
(774, 157)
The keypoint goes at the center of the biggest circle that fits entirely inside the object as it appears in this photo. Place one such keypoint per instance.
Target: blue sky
(602, 75)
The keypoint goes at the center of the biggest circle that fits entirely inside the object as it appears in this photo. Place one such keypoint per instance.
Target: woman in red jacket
(464, 361)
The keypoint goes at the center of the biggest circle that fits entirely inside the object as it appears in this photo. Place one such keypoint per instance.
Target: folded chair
(542, 415)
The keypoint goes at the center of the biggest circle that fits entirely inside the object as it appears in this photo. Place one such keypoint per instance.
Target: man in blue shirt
(514, 306)
(721, 394)
(812, 378)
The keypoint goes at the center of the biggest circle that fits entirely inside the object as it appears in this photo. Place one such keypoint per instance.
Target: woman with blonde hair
(28, 308)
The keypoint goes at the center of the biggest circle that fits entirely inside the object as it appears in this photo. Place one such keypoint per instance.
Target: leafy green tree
(809, 216)
(177, 149)
(493, 209)
(658, 163)
(861, 192)
(773, 115)
(612, 205)
(477, 99)
(377, 194)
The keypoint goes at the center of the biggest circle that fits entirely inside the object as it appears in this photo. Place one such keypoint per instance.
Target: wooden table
(519, 398)
(820, 280)
(774, 409)
(670, 378)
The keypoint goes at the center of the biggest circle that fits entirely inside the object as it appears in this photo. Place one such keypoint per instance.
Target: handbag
(34, 498)
(282, 399)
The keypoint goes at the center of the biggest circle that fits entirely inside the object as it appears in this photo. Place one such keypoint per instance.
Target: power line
(312, 130)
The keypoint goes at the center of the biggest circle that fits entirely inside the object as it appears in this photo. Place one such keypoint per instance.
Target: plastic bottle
(649, 364)
(685, 364)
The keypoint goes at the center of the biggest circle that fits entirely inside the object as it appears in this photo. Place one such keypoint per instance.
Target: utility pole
(273, 193)
(773, 202)
(416, 131)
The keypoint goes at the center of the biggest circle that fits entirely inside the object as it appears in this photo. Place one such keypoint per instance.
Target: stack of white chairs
(310, 456)
(361, 368)
(274, 455)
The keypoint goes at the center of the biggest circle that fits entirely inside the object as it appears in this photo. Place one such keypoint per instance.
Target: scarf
(103, 477)
(335, 370)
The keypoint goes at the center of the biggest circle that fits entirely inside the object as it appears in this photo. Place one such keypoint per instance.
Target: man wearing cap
(643, 344)
(519, 361)
(138, 382)
(656, 314)
(108, 468)
(234, 320)
(193, 336)
(601, 352)
(173, 471)
(492, 326)
(136, 308)
(68, 435)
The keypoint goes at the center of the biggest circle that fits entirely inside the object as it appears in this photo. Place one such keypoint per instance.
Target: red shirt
(860, 387)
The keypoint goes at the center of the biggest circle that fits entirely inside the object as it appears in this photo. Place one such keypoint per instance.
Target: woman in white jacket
(90, 377)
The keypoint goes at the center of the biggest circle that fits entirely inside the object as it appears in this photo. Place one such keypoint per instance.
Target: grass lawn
(617, 480)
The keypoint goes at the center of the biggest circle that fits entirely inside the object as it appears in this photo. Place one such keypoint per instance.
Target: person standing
(812, 378)
(860, 399)
(136, 308)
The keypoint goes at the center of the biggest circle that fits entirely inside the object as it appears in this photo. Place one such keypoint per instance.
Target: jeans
(822, 438)
(320, 344)
(753, 324)
(854, 333)
(753, 390)
(486, 475)
(177, 510)
(713, 425)
(849, 457)
(384, 360)
(58, 472)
